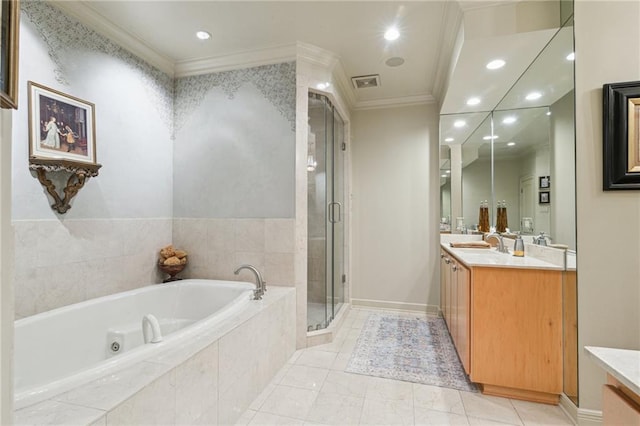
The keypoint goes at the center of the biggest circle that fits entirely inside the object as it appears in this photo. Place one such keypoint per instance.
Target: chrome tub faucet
(261, 287)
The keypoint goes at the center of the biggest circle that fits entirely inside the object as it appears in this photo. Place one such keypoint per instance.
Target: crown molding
(316, 55)
(239, 60)
(395, 102)
(84, 13)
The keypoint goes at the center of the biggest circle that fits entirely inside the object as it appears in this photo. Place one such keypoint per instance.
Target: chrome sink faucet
(260, 283)
(501, 247)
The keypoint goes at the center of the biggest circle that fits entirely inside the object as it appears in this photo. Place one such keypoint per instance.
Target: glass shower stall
(326, 280)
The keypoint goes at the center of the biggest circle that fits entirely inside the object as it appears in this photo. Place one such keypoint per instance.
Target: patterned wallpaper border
(277, 83)
(64, 37)
(176, 98)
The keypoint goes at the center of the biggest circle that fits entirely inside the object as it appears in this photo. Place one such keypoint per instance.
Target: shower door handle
(332, 212)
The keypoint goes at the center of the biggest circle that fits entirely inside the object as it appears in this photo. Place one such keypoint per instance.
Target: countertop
(473, 257)
(623, 364)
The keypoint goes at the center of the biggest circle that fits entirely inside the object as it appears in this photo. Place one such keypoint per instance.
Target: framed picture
(544, 197)
(9, 32)
(544, 182)
(60, 126)
(621, 135)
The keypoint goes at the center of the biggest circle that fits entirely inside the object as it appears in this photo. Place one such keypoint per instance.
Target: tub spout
(151, 326)
(260, 283)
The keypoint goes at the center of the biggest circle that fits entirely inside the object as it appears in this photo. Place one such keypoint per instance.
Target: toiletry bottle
(518, 247)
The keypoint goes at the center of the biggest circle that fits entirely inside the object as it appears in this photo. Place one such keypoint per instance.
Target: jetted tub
(64, 348)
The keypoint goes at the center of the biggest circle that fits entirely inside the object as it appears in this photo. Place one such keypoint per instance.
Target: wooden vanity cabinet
(455, 298)
(516, 332)
(506, 324)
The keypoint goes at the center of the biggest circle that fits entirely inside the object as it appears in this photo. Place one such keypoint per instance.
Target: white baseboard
(569, 408)
(589, 417)
(397, 306)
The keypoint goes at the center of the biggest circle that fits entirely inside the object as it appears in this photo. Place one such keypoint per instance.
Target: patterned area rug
(416, 350)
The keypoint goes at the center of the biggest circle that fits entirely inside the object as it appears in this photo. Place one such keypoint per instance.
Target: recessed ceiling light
(460, 123)
(509, 120)
(495, 64)
(448, 139)
(511, 144)
(396, 61)
(323, 86)
(203, 35)
(571, 56)
(443, 175)
(488, 138)
(473, 101)
(533, 96)
(448, 171)
(391, 34)
(548, 112)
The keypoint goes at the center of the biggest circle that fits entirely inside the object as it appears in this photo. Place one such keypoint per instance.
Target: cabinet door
(453, 302)
(444, 273)
(446, 307)
(618, 409)
(463, 306)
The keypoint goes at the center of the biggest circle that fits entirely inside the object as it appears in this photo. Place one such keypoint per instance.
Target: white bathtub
(64, 348)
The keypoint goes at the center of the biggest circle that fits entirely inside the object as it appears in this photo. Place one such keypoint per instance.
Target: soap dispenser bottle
(518, 247)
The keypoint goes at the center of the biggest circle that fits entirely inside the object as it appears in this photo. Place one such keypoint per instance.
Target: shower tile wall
(58, 263)
(217, 247)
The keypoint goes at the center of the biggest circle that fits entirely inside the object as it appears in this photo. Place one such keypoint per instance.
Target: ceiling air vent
(364, 81)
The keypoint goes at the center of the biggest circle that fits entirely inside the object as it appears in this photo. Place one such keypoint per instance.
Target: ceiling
(445, 44)
(351, 30)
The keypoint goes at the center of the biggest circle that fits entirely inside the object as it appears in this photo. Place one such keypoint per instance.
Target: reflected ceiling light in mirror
(511, 144)
(448, 171)
(489, 138)
(571, 56)
(495, 64)
(473, 101)
(459, 123)
(443, 175)
(509, 120)
(533, 96)
(391, 34)
(203, 35)
(448, 139)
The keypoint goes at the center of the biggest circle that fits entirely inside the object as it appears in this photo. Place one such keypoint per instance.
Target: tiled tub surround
(217, 247)
(210, 379)
(61, 262)
(49, 359)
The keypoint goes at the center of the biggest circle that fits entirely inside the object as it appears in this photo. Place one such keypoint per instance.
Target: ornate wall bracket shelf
(78, 175)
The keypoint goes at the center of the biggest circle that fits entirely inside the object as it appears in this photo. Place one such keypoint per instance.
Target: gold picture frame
(61, 126)
(633, 124)
(621, 136)
(9, 34)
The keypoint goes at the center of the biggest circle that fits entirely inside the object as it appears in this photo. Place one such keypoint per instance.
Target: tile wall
(217, 247)
(60, 262)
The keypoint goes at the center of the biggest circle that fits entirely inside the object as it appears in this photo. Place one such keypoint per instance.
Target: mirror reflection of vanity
(520, 152)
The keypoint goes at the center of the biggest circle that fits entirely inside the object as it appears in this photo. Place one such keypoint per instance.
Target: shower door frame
(336, 212)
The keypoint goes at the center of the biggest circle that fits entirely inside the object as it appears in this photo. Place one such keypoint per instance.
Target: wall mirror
(522, 152)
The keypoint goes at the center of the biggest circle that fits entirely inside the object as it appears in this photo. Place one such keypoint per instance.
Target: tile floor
(313, 389)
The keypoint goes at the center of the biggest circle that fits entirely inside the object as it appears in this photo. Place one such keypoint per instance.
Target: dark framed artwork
(61, 126)
(9, 33)
(544, 197)
(621, 135)
(544, 182)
